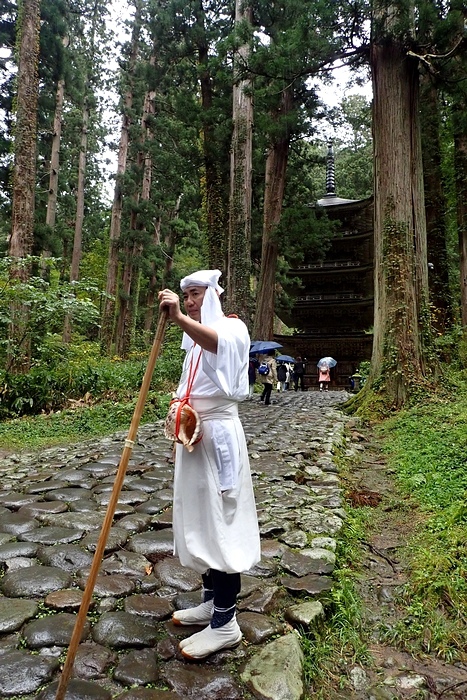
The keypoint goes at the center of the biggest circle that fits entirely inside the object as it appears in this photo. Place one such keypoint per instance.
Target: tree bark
(55, 157)
(435, 209)
(401, 328)
(459, 127)
(460, 163)
(24, 169)
(152, 286)
(130, 277)
(24, 177)
(170, 240)
(163, 280)
(108, 318)
(78, 238)
(239, 245)
(215, 193)
(95, 17)
(276, 169)
(123, 328)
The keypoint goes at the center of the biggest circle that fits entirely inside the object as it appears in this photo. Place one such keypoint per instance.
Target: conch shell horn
(183, 424)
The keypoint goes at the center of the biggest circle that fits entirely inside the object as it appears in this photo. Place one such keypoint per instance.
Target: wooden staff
(129, 443)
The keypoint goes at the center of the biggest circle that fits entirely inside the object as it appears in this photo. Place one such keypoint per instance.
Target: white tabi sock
(210, 640)
(201, 615)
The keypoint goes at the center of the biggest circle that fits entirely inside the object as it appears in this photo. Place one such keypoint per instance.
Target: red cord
(182, 402)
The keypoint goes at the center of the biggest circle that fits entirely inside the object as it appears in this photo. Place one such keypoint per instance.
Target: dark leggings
(266, 395)
(226, 587)
(298, 379)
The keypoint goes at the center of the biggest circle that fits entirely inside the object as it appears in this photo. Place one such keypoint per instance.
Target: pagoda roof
(333, 200)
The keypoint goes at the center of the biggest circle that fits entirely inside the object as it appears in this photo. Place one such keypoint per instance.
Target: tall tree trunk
(459, 127)
(95, 17)
(78, 238)
(24, 176)
(460, 164)
(130, 279)
(401, 328)
(276, 169)
(55, 157)
(152, 286)
(163, 280)
(108, 317)
(51, 211)
(169, 242)
(215, 205)
(124, 324)
(239, 246)
(435, 208)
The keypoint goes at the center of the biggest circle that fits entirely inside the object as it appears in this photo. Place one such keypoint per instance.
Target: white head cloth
(211, 309)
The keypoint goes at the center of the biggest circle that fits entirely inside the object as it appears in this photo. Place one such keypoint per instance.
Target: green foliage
(82, 395)
(364, 370)
(330, 652)
(353, 147)
(79, 423)
(429, 443)
(94, 265)
(452, 347)
(77, 372)
(48, 300)
(426, 447)
(350, 122)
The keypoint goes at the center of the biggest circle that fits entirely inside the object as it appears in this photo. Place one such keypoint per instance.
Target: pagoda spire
(330, 172)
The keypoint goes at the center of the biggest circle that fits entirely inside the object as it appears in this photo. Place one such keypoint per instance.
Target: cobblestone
(52, 505)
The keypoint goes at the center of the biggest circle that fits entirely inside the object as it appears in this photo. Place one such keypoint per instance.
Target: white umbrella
(328, 361)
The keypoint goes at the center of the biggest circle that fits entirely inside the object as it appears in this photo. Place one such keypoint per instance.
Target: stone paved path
(52, 506)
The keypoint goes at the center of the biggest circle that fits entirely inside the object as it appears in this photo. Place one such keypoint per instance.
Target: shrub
(72, 372)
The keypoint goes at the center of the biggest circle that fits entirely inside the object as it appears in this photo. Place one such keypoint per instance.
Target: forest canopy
(219, 159)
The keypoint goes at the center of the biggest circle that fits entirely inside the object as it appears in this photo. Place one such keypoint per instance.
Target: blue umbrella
(329, 361)
(285, 358)
(260, 346)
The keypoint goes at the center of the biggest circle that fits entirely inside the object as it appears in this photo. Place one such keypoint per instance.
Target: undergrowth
(333, 649)
(426, 448)
(79, 423)
(75, 394)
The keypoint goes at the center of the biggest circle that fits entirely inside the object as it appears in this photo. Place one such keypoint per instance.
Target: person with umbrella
(263, 346)
(267, 372)
(324, 377)
(324, 372)
(285, 376)
(281, 375)
(215, 524)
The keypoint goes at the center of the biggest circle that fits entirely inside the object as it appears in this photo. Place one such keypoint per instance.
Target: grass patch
(426, 449)
(340, 643)
(79, 423)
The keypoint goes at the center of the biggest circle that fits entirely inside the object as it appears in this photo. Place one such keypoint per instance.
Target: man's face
(193, 301)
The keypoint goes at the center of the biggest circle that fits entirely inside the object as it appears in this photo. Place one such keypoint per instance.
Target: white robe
(214, 513)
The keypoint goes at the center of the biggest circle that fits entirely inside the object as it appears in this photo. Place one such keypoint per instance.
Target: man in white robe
(214, 514)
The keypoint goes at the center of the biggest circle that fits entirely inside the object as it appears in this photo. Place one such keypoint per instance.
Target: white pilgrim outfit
(214, 513)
